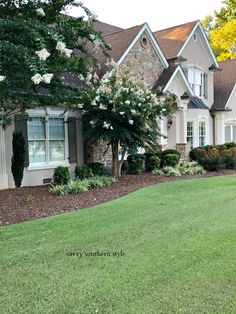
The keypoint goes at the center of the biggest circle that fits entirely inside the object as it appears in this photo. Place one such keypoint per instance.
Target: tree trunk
(116, 163)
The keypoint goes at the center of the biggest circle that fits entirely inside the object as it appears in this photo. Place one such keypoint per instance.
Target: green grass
(179, 245)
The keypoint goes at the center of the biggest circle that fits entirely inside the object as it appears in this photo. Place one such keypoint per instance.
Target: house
(176, 61)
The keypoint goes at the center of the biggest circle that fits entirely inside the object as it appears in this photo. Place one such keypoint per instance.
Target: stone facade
(183, 149)
(143, 62)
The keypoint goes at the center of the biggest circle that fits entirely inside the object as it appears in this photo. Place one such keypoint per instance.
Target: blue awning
(197, 103)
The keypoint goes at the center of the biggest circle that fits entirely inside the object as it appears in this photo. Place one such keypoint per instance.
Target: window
(190, 133)
(46, 138)
(198, 82)
(202, 133)
(230, 133)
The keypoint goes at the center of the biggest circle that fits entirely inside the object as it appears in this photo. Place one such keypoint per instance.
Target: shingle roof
(172, 39)
(165, 77)
(224, 82)
(196, 103)
(105, 28)
(119, 43)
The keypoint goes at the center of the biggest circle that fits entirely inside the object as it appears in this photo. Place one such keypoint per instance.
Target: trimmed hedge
(61, 176)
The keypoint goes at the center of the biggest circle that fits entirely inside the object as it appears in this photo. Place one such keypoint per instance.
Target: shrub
(78, 186)
(170, 160)
(61, 176)
(151, 161)
(172, 172)
(59, 189)
(230, 145)
(197, 154)
(190, 168)
(83, 172)
(229, 158)
(136, 163)
(18, 158)
(170, 151)
(158, 172)
(97, 168)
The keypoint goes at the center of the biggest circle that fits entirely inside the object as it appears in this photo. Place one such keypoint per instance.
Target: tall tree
(221, 30)
(40, 47)
(122, 113)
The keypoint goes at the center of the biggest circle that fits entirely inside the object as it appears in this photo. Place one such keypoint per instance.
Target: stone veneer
(144, 64)
(183, 149)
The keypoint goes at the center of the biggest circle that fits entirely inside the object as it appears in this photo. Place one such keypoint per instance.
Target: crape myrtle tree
(122, 113)
(39, 43)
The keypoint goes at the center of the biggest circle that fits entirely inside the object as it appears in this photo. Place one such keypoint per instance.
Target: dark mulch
(28, 203)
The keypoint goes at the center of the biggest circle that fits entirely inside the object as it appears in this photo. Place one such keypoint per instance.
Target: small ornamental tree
(41, 51)
(18, 158)
(122, 113)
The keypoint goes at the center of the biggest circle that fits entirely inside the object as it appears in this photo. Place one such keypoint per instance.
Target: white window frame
(231, 125)
(203, 75)
(193, 136)
(47, 114)
(199, 122)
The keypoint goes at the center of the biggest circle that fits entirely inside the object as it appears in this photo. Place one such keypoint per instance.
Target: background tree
(122, 113)
(38, 47)
(221, 30)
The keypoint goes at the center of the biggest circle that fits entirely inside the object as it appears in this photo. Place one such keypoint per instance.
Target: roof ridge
(165, 29)
(125, 29)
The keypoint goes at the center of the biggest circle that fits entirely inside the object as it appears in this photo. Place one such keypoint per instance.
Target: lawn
(167, 248)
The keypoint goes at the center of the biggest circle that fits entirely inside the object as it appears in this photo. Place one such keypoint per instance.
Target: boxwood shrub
(83, 172)
(97, 168)
(136, 163)
(61, 176)
(152, 161)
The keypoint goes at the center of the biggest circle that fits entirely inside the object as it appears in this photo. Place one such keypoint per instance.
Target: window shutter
(21, 127)
(72, 139)
(205, 79)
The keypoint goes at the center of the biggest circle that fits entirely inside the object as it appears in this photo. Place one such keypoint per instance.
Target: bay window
(202, 133)
(46, 140)
(198, 82)
(190, 133)
(230, 133)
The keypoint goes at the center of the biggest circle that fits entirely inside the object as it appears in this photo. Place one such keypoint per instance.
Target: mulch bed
(28, 203)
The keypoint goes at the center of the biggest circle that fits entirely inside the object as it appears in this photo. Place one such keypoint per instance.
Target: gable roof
(224, 83)
(168, 76)
(105, 28)
(172, 39)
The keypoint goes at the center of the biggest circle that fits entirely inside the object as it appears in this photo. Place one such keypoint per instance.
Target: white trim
(153, 41)
(206, 40)
(231, 94)
(179, 69)
(48, 166)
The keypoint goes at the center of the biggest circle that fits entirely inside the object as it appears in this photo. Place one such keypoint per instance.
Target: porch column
(219, 129)
(181, 131)
(3, 172)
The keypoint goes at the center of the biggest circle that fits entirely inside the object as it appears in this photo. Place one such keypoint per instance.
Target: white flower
(92, 37)
(163, 109)
(43, 54)
(127, 102)
(122, 113)
(131, 121)
(89, 76)
(81, 77)
(102, 107)
(67, 52)
(2, 78)
(94, 103)
(40, 12)
(60, 46)
(80, 106)
(106, 125)
(46, 78)
(111, 127)
(37, 78)
(92, 122)
(133, 111)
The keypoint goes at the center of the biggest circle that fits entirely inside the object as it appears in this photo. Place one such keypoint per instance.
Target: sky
(159, 14)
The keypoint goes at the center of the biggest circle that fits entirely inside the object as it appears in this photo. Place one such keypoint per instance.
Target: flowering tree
(122, 113)
(38, 45)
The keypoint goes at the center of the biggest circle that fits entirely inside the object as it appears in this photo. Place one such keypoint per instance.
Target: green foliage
(136, 163)
(170, 151)
(98, 169)
(152, 161)
(61, 176)
(221, 30)
(229, 158)
(157, 172)
(190, 168)
(18, 158)
(169, 160)
(78, 186)
(24, 33)
(171, 171)
(83, 172)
